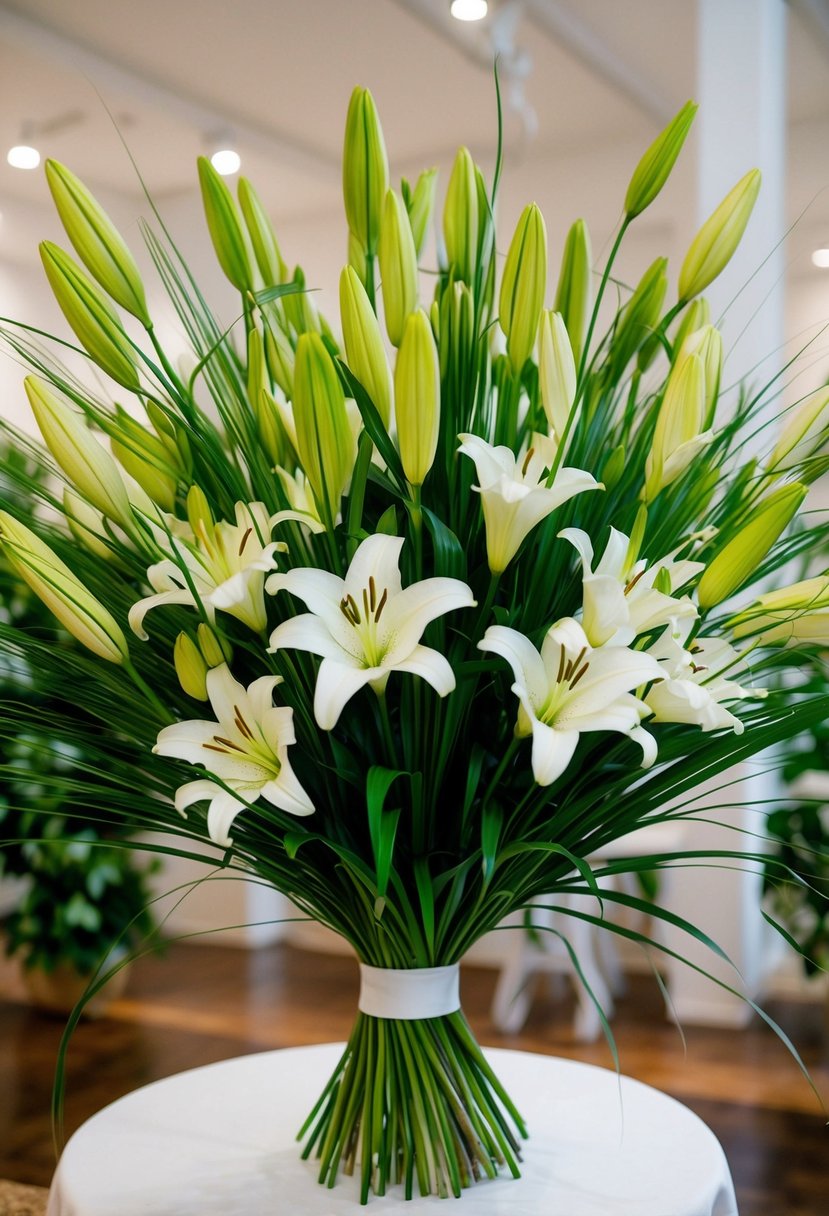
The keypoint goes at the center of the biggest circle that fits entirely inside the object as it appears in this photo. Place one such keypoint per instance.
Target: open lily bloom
(367, 625)
(226, 564)
(246, 748)
(570, 688)
(514, 493)
(620, 600)
(697, 682)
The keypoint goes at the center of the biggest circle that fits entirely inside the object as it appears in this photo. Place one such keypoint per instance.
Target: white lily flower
(246, 748)
(619, 597)
(367, 625)
(299, 495)
(570, 688)
(696, 684)
(514, 493)
(226, 564)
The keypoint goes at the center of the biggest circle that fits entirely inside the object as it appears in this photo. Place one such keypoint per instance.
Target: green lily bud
(707, 343)
(214, 646)
(224, 226)
(280, 357)
(613, 467)
(738, 560)
(694, 316)
(86, 524)
(556, 371)
(364, 350)
(523, 286)
(574, 291)
(678, 436)
(365, 170)
(146, 459)
(325, 444)
(714, 245)
(357, 258)
(191, 668)
(398, 266)
(456, 319)
(63, 594)
(87, 464)
(262, 236)
(97, 241)
(420, 203)
(92, 318)
(460, 217)
(174, 439)
(299, 309)
(793, 614)
(637, 536)
(655, 166)
(640, 316)
(803, 435)
(199, 515)
(417, 398)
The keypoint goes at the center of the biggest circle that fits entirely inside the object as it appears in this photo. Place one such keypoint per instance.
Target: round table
(221, 1139)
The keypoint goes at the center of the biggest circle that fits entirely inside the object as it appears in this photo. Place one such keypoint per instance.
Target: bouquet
(413, 621)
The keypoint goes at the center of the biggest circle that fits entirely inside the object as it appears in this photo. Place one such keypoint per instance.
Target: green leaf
(373, 423)
(492, 822)
(382, 824)
(450, 559)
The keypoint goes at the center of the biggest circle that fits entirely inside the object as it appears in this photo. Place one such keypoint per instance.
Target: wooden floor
(204, 1003)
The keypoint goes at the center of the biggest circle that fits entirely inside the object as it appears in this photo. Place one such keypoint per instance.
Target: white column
(741, 125)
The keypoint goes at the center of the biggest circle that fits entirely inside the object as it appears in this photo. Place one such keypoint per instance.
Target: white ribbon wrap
(408, 995)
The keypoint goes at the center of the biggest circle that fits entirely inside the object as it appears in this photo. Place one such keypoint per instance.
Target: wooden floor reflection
(204, 1003)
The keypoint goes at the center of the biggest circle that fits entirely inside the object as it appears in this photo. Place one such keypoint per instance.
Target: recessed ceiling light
(23, 156)
(226, 161)
(821, 258)
(468, 10)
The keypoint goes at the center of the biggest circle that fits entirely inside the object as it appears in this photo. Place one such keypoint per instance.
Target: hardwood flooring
(204, 1003)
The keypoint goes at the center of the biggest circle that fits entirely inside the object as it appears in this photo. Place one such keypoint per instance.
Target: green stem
(140, 683)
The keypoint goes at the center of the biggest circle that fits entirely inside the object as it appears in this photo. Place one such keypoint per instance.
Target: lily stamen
(383, 598)
(244, 541)
(579, 674)
(525, 466)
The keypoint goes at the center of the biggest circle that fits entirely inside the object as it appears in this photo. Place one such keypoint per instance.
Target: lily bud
(357, 258)
(803, 435)
(420, 203)
(87, 464)
(640, 316)
(655, 166)
(556, 372)
(714, 245)
(695, 315)
(63, 594)
(739, 559)
(365, 353)
(365, 170)
(325, 443)
(262, 236)
(523, 286)
(707, 343)
(280, 357)
(461, 220)
(191, 668)
(417, 398)
(147, 461)
(613, 467)
(224, 226)
(97, 241)
(794, 615)
(214, 646)
(199, 515)
(678, 436)
(574, 291)
(398, 267)
(92, 318)
(456, 320)
(86, 524)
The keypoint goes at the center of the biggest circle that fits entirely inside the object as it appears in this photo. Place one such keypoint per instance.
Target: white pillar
(741, 125)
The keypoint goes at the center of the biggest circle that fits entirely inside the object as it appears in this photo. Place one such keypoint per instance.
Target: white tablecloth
(221, 1139)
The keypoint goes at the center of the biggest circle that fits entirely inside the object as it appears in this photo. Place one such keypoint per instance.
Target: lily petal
(431, 666)
(525, 661)
(552, 751)
(411, 610)
(336, 684)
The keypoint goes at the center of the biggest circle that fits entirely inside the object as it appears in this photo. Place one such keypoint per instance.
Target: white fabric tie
(408, 995)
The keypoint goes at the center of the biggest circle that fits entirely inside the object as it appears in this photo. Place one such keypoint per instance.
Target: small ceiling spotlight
(821, 258)
(226, 161)
(468, 10)
(23, 156)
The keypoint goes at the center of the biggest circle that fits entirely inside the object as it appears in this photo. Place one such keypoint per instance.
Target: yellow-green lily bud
(214, 646)
(257, 376)
(640, 316)
(714, 245)
(146, 459)
(92, 318)
(224, 226)
(740, 557)
(655, 167)
(86, 524)
(556, 371)
(707, 343)
(265, 410)
(694, 316)
(357, 258)
(199, 514)
(174, 439)
(574, 291)
(191, 668)
(637, 535)
(262, 236)
(364, 350)
(523, 286)
(417, 398)
(325, 443)
(613, 467)
(398, 266)
(87, 464)
(460, 217)
(420, 203)
(803, 435)
(97, 241)
(299, 309)
(365, 169)
(678, 436)
(61, 591)
(280, 356)
(794, 614)
(456, 335)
